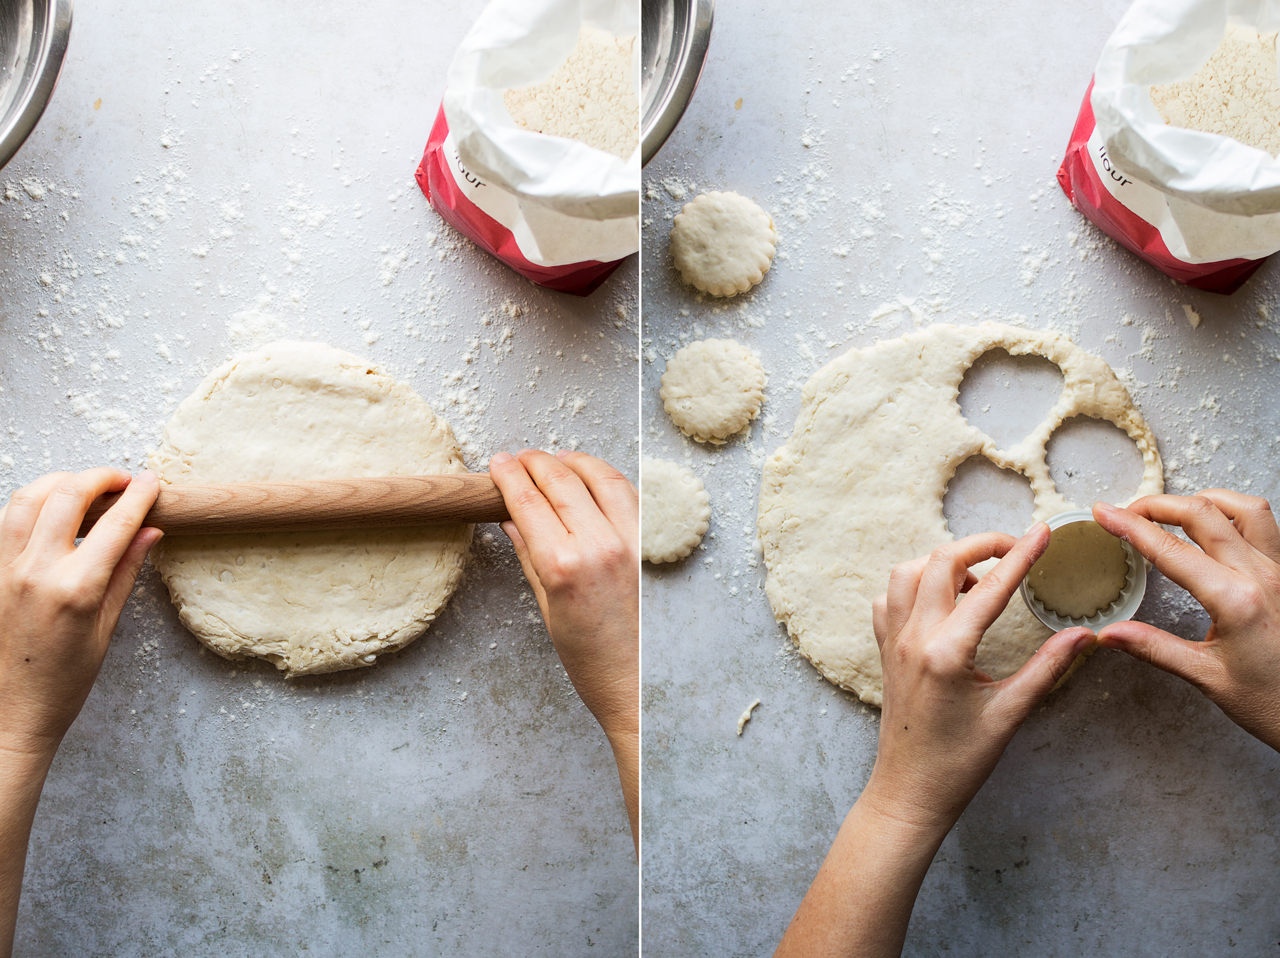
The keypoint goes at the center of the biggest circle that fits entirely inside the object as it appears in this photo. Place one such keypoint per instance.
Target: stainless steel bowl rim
(29, 105)
(689, 54)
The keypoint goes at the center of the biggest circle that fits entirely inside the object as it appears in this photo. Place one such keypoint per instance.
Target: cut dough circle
(712, 388)
(309, 602)
(859, 485)
(722, 243)
(674, 510)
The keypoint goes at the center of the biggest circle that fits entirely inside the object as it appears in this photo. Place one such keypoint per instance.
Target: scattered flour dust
(109, 424)
(117, 348)
(254, 327)
(1235, 94)
(591, 98)
(391, 265)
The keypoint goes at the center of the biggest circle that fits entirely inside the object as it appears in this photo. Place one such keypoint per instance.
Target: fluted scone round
(722, 243)
(712, 388)
(674, 510)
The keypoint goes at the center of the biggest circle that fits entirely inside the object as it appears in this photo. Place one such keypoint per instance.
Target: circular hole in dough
(1008, 396)
(309, 602)
(674, 510)
(722, 243)
(982, 497)
(712, 389)
(1092, 460)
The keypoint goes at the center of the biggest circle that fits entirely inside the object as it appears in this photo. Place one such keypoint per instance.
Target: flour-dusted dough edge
(722, 243)
(855, 490)
(675, 511)
(712, 389)
(303, 634)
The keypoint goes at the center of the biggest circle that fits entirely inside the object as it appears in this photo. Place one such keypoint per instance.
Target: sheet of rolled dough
(315, 601)
(859, 485)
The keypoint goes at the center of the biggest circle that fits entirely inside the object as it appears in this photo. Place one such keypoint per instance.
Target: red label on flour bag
(535, 153)
(1172, 154)
(1096, 187)
(446, 182)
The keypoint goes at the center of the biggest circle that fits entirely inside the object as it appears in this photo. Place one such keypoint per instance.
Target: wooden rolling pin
(295, 506)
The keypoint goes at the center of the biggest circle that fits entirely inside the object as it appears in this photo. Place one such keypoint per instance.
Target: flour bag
(535, 152)
(1160, 157)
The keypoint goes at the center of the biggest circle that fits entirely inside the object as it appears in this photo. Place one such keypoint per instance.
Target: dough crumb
(675, 189)
(745, 717)
(1192, 316)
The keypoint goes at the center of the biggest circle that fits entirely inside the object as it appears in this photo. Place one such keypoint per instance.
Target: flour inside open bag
(534, 154)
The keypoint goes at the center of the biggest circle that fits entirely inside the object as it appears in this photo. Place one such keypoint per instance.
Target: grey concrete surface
(214, 174)
(907, 154)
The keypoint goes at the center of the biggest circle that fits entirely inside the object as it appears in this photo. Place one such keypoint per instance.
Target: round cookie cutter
(1121, 610)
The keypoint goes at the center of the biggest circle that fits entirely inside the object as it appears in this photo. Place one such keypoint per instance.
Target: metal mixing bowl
(673, 47)
(33, 42)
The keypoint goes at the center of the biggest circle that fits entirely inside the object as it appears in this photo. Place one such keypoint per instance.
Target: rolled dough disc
(309, 602)
(674, 510)
(712, 388)
(722, 243)
(859, 485)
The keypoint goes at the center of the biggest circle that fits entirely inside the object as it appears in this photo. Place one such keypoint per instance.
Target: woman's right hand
(1235, 575)
(575, 526)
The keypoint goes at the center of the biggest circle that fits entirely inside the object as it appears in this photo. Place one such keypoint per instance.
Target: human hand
(58, 607)
(58, 603)
(575, 528)
(945, 723)
(943, 726)
(1235, 575)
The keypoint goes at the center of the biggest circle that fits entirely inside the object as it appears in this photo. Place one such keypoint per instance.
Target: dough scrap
(712, 388)
(308, 602)
(859, 485)
(674, 510)
(722, 243)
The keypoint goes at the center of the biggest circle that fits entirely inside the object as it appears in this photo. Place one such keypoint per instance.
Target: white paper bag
(563, 210)
(1211, 197)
